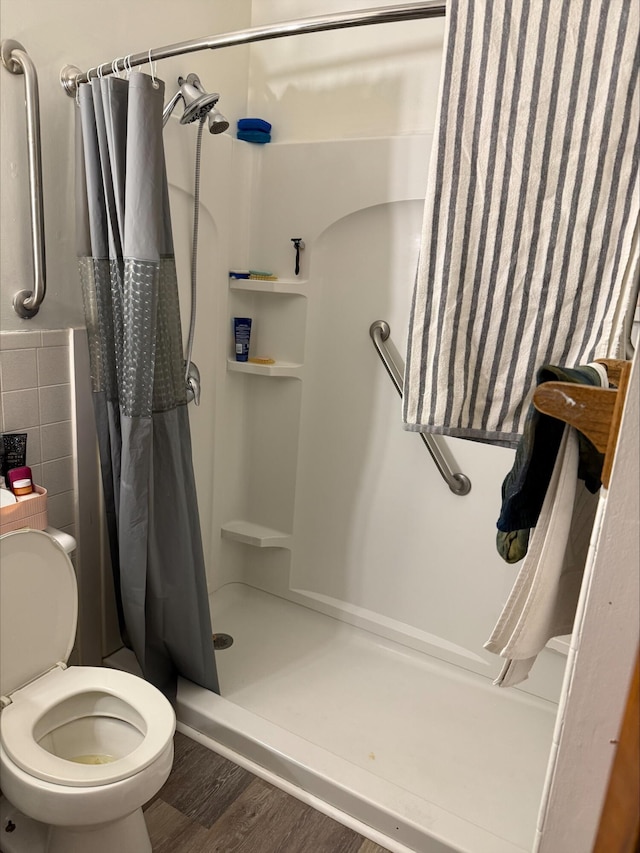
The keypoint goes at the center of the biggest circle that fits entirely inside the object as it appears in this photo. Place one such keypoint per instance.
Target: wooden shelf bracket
(595, 412)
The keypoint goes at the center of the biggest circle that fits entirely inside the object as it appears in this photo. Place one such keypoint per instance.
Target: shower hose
(194, 259)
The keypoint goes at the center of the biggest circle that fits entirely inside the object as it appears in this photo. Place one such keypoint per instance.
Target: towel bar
(15, 59)
(459, 483)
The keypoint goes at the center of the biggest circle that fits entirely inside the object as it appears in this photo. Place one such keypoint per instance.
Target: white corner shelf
(289, 369)
(291, 286)
(255, 534)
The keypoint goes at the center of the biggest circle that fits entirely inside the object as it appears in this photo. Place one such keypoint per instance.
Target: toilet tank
(66, 540)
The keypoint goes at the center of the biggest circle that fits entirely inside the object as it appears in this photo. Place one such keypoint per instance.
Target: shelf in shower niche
(294, 287)
(255, 534)
(280, 368)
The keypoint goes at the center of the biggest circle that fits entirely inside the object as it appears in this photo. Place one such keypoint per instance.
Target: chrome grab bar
(15, 59)
(459, 483)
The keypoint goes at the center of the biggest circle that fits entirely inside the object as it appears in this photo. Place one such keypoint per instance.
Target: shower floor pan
(417, 754)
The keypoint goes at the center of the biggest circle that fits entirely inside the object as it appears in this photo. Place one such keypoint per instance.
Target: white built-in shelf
(293, 286)
(560, 644)
(255, 534)
(290, 369)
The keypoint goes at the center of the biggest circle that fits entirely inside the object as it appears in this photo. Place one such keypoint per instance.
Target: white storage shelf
(255, 534)
(269, 315)
(291, 286)
(280, 368)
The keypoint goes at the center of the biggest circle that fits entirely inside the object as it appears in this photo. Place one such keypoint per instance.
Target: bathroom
(314, 453)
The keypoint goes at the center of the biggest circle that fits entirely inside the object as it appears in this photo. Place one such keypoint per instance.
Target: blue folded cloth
(254, 124)
(257, 136)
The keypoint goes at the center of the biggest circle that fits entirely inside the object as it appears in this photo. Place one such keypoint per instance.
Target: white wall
(377, 80)
(371, 537)
(60, 32)
(377, 538)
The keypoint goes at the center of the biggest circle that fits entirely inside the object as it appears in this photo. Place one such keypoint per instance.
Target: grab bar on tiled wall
(459, 484)
(16, 60)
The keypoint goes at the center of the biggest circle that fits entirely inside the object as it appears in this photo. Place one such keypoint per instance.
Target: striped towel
(531, 207)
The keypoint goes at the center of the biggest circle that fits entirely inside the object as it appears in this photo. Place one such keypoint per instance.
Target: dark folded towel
(525, 486)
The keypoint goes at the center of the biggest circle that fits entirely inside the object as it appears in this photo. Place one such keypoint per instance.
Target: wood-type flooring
(210, 805)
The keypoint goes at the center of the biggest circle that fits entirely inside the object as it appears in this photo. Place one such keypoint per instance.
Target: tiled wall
(36, 391)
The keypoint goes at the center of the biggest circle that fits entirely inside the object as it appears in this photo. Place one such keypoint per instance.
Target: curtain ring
(154, 82)
(126, 62)
(114, 66)
(99, 70)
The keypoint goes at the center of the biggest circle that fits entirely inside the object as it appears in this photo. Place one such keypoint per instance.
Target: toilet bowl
(81, 748)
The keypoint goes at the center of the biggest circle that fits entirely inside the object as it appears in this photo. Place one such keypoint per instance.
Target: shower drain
(221, 641)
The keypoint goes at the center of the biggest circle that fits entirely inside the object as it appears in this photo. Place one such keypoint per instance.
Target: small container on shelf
(28, 511)
(20, 481)
(242, 337)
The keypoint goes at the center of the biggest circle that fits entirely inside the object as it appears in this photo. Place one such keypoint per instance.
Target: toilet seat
(122, 696)
(38, 616)
(38, 607)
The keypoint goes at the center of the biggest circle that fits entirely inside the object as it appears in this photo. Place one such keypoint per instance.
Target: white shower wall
(375, 536)
(319, 498)
(372, 534)
(368, 81)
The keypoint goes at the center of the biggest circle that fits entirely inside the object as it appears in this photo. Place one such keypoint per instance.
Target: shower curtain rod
(71, 76)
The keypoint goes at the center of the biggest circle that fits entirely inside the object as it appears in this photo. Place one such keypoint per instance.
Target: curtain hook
(154, 82)
(99, 70)
(114, 66)
(127, 65)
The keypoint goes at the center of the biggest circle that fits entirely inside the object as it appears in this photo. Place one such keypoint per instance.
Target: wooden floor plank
(210, 805)
(243, 820)
(172, 832)
(372, 847)
(265, 818)
(279, 817)
(202, 784)
(315, 831)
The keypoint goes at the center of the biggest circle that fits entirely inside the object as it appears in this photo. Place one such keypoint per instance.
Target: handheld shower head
(197, 103)
(217, 122)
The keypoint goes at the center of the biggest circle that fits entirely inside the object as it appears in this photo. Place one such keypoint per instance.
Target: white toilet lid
(38, 607)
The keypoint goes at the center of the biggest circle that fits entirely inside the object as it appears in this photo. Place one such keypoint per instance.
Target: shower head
(197, 103)
(217, 122)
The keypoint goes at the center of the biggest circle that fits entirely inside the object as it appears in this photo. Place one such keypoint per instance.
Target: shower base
(417, 754)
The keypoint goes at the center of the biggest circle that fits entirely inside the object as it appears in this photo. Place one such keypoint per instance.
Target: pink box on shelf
(30, 511)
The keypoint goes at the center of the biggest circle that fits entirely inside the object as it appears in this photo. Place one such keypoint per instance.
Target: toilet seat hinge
(62, 664)
(4, 701)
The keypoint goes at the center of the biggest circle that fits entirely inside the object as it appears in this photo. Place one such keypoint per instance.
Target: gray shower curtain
(130, 293)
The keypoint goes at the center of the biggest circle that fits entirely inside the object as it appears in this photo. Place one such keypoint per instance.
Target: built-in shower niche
(263, 526)
(278, 311)
(271, 415)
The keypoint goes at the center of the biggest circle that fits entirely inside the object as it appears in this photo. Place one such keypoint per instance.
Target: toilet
(81, 748)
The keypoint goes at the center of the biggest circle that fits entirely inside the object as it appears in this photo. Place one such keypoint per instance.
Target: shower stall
(357, 589)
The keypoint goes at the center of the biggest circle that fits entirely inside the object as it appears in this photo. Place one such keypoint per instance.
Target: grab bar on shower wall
(15, 59)
(459, 483)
